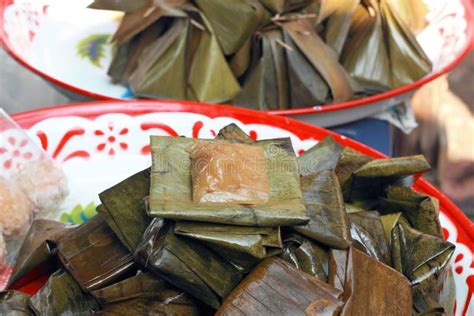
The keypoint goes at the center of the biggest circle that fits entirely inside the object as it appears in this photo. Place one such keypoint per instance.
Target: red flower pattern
(111, 139)
(15, 152)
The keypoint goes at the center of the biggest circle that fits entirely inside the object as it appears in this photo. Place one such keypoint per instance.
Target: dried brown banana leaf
(408, 61)
(187, 264)
(337, 264)
(233, 131)
(306, 86)
(118, 5)
(373, 288)
(124, 208)
(171, 305)
(368, 235)
(324, 155)
(94, 256)
(275, 287)
(38, 248)
(339, 23)
(282, 6)
(61, 295)
(13, 303)
(120, 61)
(210, 76)
(233, 22)
(419, 256)
(349, 161)
(365, 55)
(138, 20)
(412, 12)
(171, 187)
(421, 211)
(437, 294)
(321, 57)
(162, 69)
(328, 223)
(240, 61)
(306, 255)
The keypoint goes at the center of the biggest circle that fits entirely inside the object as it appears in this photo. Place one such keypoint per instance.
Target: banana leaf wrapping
(61, 295)
(324, 155)
(124, 208)
(94, 256)
(187, 264)
(171, 187)
(417, 255)
(370, 180)
(337, 265)
(281, 6)
(349, 161)
(373, 288)
(368, 235)
(233, 131)
(275, 287)
(118, 5)
(421, 211)
(436, 295)
(243, 246)
(306, 255)
(38, 249)
(14, 303)
(143, 294)
(412, 12)
(381, 52)
(339, 23)
(328, 223)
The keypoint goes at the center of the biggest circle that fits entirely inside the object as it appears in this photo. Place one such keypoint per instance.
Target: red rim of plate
(469, 15)
(304, 131)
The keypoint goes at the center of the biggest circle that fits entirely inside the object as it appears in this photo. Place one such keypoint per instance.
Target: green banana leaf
(210, 77)
(306, 255)
(124, 208)
(368, 235)
(117, 5)
(162, 69)
(233, 22)
(61, 295)
(306, 86)
(419, 256)
(365, 55)
(337, 264)
(171, 187)
(354, 208)
(324, 155)
(282, 6)
(138, 286)
(239, 63)
(242, 239)
(349, 161)
(187, 264)
(389, 221)
(421, 211)
(138, 20)
(321, 57)
(94, 256)
(275, 287)
(371, 179)
(233, 131)
(373, 288)
(339, 23)
(328, 223)
(408, 61)
(13, 303)
(38, 249)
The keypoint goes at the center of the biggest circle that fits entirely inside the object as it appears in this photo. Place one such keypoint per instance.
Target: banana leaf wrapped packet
(187, 264)
(171, 191)
(243, 246)
(38, 251)
(322, 156)
(276, 287)
(124, 208)
(94, 256)
(14, 303)
(141, 294)
(306, 255)
(61, 295)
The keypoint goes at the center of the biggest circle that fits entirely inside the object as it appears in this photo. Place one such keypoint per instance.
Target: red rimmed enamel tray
(90, 140)
(45, 37)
